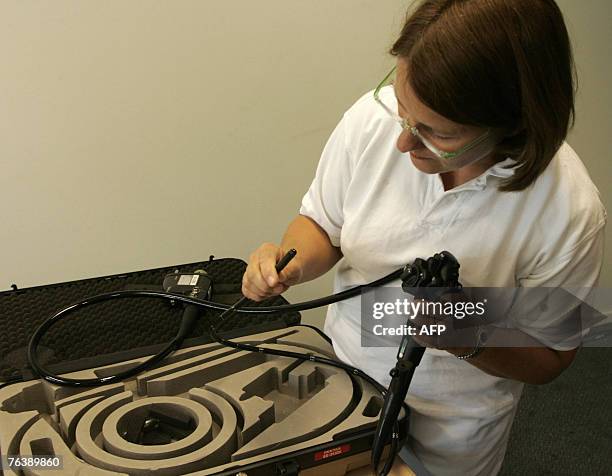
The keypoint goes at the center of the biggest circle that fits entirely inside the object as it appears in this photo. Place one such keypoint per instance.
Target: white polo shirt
(384, 213)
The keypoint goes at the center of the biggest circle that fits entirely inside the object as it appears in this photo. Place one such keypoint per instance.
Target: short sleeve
(324, 200)
(548, 303)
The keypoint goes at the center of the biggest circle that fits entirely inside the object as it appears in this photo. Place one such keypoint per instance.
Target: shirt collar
(503, 169)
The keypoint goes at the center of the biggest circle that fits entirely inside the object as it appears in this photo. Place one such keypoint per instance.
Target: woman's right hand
(260, 280)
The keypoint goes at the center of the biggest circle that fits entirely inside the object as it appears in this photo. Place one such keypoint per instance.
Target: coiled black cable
(187, 323)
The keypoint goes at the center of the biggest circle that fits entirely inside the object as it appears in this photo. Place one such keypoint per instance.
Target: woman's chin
(426, 165)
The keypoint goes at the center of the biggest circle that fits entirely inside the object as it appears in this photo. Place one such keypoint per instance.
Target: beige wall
(590, 26)
(146, 133)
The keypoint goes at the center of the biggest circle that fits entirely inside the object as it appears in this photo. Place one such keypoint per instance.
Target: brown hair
(495, 63)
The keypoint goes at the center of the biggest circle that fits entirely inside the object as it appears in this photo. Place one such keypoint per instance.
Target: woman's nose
(407, 142)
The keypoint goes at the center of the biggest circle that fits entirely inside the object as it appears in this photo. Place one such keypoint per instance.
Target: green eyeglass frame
(415, 132)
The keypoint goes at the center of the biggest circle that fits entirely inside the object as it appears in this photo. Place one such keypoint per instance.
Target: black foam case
(120, 329)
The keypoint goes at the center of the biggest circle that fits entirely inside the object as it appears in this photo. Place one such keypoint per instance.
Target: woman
(476, 164)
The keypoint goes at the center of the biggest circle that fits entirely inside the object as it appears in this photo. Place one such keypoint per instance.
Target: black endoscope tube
(38, 369)
(44, 373)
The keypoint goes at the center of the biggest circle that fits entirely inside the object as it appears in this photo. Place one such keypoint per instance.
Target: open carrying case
(206, 409)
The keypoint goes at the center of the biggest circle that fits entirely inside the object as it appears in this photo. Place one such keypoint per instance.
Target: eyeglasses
(415, 132)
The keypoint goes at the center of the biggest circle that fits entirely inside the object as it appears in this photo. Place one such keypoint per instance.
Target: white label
(194, 279)
(184, 280)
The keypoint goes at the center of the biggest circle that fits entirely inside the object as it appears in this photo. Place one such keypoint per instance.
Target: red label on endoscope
(338, 450)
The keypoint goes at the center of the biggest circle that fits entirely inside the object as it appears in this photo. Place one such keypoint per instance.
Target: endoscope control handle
(409, 356)
(401, 375)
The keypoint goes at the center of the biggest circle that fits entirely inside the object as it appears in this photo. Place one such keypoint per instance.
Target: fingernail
(271, 281)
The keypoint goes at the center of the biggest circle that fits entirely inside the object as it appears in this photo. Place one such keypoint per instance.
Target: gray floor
(565, 427)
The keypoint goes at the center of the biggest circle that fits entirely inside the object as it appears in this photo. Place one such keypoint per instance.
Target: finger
(255, 279)
(252, 296)
(268, 258)
(250, 291)
(280, 289)
(258, 289)
(254, 284)
(257, 295)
